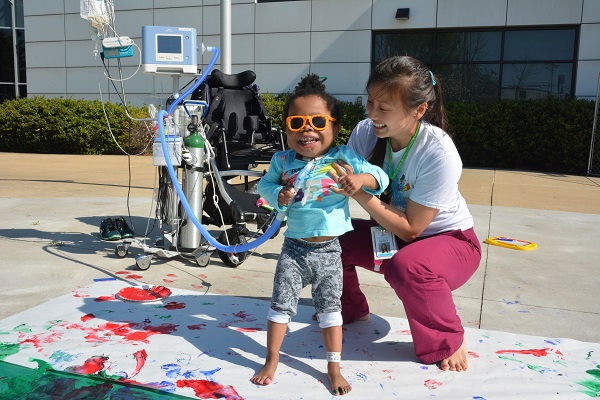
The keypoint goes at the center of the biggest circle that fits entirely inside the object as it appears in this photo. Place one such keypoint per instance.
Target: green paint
(560, 362)
(50, 324)
(509, 359)
(594, 372)
(8, 349)
(19, 382)
(589, 355)
(592, 384)
(22, 328)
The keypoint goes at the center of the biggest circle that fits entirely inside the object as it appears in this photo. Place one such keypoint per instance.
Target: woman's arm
(406, 225)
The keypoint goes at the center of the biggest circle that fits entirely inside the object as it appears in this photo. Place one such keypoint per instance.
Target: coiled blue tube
(184, 202)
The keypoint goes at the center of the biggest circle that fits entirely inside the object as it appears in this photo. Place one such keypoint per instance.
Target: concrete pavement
(51, 207)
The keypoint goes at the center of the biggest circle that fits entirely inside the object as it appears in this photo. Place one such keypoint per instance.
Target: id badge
(384, 245)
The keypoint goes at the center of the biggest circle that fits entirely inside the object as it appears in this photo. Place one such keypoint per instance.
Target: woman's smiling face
(309, 142)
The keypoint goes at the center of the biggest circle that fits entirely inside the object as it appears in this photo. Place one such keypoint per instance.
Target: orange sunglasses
(296, 123)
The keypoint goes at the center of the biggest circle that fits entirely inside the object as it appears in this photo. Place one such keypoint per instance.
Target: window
(491, 64)
(12, 83)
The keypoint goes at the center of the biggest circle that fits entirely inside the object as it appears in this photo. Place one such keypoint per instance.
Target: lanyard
(410, 144)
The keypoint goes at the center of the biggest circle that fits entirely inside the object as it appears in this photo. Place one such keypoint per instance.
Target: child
(316, 216)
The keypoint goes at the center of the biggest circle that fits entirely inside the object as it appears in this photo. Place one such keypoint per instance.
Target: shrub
(69, 126)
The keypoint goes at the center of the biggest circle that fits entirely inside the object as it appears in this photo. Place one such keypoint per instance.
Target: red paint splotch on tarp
(104, 298)
(129, 331)
(534, 352)
(140, 359)
(39, 340)
(432, 384)
(173, 305)
(248, 329)
(196, 327)
(134, 276)
(473, 355)
(87, 317)
(204, 389)
(165, 280)
(92, 365)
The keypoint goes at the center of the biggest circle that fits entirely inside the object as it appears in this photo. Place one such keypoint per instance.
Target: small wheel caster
(202, 259)
(121, 251)
(143, 262)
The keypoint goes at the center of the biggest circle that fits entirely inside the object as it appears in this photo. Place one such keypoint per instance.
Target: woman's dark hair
(311, 85)
(411, 83)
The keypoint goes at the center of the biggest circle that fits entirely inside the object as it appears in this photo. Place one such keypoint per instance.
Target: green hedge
(539, 135)
(69, 126)
(542, 135)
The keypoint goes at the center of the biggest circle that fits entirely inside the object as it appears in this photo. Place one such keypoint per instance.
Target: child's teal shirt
(316, 210)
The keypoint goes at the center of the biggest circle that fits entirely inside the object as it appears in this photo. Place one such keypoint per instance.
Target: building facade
(480, 49)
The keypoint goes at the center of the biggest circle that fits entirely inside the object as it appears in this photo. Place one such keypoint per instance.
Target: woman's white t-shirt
(429, 175)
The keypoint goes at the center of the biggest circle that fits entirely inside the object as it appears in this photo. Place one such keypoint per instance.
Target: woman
(438, 250)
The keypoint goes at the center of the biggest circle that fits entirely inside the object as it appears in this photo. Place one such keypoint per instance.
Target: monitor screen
(169, 44)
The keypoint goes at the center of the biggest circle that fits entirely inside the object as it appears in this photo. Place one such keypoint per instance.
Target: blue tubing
(184, 202)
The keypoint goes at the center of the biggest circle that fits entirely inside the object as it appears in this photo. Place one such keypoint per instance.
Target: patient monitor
(169, 49)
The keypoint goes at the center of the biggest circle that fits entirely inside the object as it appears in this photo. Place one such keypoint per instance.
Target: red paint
(197, 327)
(473, 355)
(172, 275)
(241, 314)
(202, 276)
(87, 317)
(534, 352)
(136, 293)
(432, 384)
(92, 365)
(204, 389)
(168, 280)
(122, 272)
(173, 305)
(248, 329)
(133, 276)
(140, 358)
(104, 298)
(197, 286)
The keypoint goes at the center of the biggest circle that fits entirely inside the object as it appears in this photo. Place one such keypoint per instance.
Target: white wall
(280, 41)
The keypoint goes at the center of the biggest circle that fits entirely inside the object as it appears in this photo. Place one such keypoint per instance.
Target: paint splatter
(248, 329)
(8, 349)
(197, 327)
(173, 305)
(534, 352)
(87, 317)
(592, 385)
(140, 359)
(104, 298)
(134, 276)
(432, 384)
(210, 390)
(92, 365)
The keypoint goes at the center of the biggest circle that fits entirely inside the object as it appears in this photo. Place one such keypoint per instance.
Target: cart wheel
(203, 259)
(143, 262)
(121, 251)
(230, 259)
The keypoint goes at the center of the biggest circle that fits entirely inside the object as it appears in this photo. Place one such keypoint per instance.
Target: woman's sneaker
(123, 228)
(108, 230)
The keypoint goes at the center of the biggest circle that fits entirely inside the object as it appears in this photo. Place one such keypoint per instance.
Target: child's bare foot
(266, 375)
(339, 384)
(459, 361)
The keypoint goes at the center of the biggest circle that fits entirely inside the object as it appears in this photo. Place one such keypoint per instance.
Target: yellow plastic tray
(511, 243)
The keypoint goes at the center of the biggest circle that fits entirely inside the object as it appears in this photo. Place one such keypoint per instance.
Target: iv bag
(95, 11)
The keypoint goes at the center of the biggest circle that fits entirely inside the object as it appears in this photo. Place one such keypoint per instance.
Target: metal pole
(226, 36)
(590, 162)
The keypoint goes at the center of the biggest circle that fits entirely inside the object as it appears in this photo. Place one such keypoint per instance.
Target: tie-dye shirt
(316, 210)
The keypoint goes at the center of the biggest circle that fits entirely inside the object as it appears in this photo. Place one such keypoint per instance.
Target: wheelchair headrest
(232, 81)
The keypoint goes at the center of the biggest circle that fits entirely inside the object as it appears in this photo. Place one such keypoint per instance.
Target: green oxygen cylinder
(193, 187)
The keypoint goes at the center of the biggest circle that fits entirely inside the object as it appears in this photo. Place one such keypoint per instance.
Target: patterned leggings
(302, 263)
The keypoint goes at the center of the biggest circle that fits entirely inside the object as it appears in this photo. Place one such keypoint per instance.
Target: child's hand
(348, 183)
(286, 195)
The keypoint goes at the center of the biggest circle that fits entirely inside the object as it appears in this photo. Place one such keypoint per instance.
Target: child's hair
(409, 81)
(311, 85)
